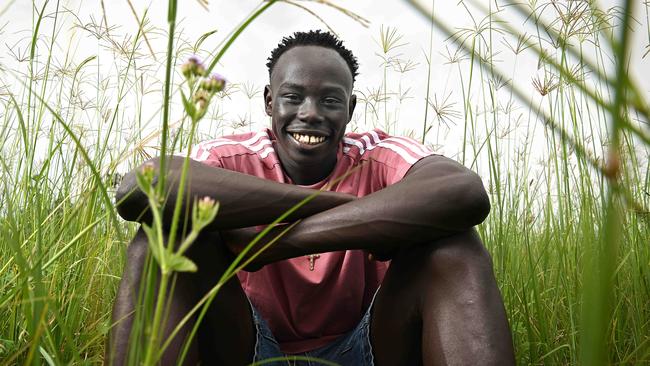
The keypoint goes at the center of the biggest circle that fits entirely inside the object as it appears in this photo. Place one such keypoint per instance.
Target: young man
(317, 293)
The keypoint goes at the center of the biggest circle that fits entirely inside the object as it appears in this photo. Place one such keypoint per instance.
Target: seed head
(215, 83)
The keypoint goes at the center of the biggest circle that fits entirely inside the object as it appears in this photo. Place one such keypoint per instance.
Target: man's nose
(309, 111)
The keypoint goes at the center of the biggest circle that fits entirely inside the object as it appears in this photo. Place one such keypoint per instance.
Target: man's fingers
(381, 257)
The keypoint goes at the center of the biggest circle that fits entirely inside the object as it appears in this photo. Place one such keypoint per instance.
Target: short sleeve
(250, 153)
(415, 151)
(396, 154)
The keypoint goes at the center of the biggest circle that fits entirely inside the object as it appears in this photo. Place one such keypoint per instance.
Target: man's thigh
(227, 334)
(395, 322)
(439, 303)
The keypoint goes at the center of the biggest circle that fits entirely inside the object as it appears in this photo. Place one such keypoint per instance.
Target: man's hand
(382, 255)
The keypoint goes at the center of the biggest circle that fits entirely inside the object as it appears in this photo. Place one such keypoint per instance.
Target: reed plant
(570, 242)
(569, 226)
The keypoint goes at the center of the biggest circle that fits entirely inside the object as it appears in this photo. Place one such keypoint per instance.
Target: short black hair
(314, 38)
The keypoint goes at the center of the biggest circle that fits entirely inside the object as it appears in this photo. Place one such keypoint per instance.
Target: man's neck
(306, 175)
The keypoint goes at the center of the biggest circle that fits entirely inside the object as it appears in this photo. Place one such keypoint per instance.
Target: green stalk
(178, 206)
(181, 190)
(171, 19)
(160, 189)
(598, 317)
(162, 290)
(153, 337)
(153, 343)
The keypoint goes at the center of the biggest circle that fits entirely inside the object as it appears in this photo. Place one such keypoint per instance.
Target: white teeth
(309, 140)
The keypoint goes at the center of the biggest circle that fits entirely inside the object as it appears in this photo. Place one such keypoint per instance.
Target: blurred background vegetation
(547, 100)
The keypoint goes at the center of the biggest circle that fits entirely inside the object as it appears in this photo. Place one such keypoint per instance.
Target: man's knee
(460, 254)
(459, 251)
(458, 257)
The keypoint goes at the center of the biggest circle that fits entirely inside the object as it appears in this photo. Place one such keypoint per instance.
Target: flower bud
(148, 172)
(186, 70)
(206, 203)
(193, 67)
(206, 211)
(215, 83)
(200, 70)
(145, 178)
(201, 99)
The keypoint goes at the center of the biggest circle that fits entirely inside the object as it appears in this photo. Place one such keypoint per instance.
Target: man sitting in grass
(317, 291)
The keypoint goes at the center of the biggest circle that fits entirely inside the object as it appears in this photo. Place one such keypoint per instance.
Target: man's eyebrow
(333, 88)
(292, 86)
(326, 88)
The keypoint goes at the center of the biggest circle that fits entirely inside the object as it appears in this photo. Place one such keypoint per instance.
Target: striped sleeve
(397, 154)
(240, 152)
(202, 152)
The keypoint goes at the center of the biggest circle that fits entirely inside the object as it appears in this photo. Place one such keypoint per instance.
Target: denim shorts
(351, 349)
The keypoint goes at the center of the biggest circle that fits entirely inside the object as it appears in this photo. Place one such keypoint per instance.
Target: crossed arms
(437, 197)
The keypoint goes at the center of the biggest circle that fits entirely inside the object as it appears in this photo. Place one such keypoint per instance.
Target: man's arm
(244, 200)
(436, 198)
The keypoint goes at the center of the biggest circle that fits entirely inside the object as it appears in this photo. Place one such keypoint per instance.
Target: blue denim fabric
(351, 349)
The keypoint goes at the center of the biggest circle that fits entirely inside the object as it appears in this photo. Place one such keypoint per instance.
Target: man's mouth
(308, 139)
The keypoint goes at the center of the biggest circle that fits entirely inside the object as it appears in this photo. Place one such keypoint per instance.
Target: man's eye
(291, 97)
(331, 101)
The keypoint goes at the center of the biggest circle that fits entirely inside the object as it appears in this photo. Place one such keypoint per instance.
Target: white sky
(244, 63)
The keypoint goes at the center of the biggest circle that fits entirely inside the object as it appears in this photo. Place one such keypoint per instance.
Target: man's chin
(305, 159)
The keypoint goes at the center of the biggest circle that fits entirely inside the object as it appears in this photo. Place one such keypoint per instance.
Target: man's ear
(268, 100)
(353, 103)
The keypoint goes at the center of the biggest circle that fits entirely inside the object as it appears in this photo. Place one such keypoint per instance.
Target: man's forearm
(419, 209)
(244, 200)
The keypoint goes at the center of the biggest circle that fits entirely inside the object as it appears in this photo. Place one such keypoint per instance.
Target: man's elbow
(476, 200)
(129, 199)
(124, 197)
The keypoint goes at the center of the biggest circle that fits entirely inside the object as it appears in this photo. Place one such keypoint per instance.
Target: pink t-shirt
(307, 309)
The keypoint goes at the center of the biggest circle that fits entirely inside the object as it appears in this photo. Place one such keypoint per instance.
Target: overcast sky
(244, 63)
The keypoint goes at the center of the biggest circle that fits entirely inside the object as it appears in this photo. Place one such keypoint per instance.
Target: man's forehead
(306, 62)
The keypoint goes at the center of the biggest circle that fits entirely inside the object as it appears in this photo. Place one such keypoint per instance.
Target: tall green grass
(570, 244)
(568, 230)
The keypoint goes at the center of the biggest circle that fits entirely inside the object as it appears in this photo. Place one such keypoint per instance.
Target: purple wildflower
(215, 83)
(193, 67)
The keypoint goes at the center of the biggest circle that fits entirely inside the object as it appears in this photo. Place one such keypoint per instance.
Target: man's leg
(227, 332)
(440, 305)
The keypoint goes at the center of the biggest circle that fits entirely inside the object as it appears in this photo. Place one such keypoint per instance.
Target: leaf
(189, 107)
(201, 39)
(143, 184)
(46, 356)
(153, 242)
(181, 263)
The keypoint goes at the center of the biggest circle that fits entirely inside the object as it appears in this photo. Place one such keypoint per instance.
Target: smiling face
(310, 102)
